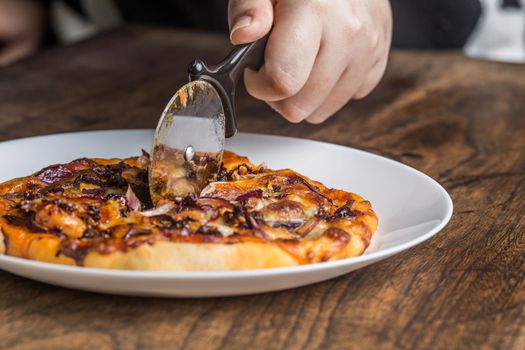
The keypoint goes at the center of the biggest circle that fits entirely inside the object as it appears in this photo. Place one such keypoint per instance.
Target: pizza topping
(54, 173)
(132, 200)
(308, 227)
(97, 193)
(251, 194)
(75, 249)
(315, 189)
(209, 230)
(54, 218)
(284, 210)
(133, 232)
(224, 230)
(66, 206)
(159, 210)
(338, 235)
(321, 213)
(93, 211)
(137, 180)
(6, 204)
(346, 211)
(252, 221)
(91, 233)
(213, 202)
(239, 171)
(11, 195)
(23, 221)
(109, 212)
(86, 178)
(105, 206)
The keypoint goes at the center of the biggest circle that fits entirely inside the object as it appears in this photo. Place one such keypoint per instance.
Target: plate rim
(199, 275)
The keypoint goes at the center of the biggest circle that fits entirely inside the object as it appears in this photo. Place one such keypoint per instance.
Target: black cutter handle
(225, 75)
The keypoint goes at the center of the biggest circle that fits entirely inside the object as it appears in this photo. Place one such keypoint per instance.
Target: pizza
(99, 213)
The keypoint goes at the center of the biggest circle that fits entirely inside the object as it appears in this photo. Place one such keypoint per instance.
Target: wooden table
(461, 121)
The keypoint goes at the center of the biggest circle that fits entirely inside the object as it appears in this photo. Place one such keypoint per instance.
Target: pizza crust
(169, 256)
(173, 256)
(2, 242)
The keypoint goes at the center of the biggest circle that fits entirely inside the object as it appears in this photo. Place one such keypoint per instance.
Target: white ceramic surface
(410, 205)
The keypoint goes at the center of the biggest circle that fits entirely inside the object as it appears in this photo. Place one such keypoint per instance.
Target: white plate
(411, 208)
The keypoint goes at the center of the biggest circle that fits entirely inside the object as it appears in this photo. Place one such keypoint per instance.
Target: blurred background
(485, 29)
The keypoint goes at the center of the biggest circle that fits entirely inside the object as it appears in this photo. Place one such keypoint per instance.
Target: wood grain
(461, 121)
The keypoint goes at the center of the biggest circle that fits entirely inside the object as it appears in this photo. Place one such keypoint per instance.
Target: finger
(325, 74)
(372, 80)
(290, 53)
(346, 89)
(249, 20)
(338, 97)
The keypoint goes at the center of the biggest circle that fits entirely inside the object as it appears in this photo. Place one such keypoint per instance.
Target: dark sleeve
(74, 5)
(423, 24)
(427, 24)
(199, 14)
(49, 37)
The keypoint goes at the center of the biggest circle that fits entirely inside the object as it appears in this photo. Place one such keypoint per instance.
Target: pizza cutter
(189, 139)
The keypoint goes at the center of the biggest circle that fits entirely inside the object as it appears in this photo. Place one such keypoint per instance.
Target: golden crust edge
(168, 256)
(2, 242)
(174, 256)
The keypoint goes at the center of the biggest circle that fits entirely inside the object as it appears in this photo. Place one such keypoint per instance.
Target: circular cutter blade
(188, 143)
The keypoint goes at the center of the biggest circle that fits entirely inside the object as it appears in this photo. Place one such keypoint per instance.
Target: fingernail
(241, 22)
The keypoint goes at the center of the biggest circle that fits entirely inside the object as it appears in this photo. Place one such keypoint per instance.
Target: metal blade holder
(225, 76)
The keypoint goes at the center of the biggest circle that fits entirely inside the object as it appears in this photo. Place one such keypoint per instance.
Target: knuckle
(315, 5)
(283, 83)
(352, 27)
(374, 40)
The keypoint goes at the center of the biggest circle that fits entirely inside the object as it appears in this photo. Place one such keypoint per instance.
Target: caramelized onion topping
(54, 173)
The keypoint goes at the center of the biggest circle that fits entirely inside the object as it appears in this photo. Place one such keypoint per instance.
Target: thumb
(249, 20)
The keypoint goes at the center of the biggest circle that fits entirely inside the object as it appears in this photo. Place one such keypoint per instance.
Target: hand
(21, 29)
(320, 54)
